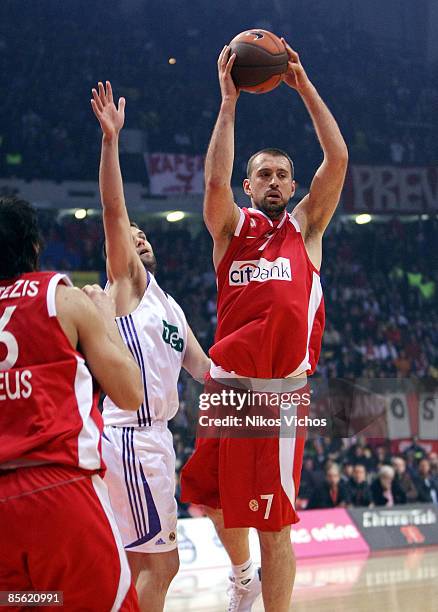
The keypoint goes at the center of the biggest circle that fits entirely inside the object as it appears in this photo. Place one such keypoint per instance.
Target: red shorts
(58, 533)
(254, 480)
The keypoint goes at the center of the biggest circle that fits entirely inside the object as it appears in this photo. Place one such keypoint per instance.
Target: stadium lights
(80, 213)
(176, 215)
(362, 219)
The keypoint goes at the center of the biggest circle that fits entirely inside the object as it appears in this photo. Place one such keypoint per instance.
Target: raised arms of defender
(125, 270)
(315, 210)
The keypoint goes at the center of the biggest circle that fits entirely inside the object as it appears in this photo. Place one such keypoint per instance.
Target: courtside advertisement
(397, 527)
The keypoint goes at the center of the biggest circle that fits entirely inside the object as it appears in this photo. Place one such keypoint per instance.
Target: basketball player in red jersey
(57, 529)
(270, 324)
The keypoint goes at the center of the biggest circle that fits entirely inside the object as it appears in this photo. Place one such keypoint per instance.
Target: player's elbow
(337, 162)
(131, 392)
(215, 184)
(341, 156)
(130, 404)
(132, 399)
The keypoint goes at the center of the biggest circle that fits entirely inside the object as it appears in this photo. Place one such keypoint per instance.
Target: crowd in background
(380, 287)
(354, 473)
(384, 98)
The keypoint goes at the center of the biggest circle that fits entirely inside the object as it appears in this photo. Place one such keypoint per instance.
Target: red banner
(171, 173)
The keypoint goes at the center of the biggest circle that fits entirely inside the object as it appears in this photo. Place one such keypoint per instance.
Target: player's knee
(215, 515)
(165, 571)
(274, 541)
(173, 568)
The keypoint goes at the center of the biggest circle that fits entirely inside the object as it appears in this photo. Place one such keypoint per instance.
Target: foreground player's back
(44, 380)
(48, 400)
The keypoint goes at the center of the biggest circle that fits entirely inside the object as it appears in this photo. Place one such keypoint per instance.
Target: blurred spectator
(382, 457)
(426, 484)
(311, 478)
(385, 489)
(358, 487)
(333, 493)
(347, 471)
(415, 450)
(433, 459)
(403, 478)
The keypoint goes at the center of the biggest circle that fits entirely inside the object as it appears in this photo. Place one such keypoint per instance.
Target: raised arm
(221, 214)
(317, 207)
(122, 259)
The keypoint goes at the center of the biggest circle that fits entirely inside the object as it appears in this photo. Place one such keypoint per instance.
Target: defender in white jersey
(138, 449)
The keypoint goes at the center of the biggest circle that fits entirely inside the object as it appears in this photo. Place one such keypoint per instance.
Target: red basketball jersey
(48, 407)
(270, 303)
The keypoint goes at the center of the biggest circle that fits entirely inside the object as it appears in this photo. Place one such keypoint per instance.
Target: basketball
(261, 60)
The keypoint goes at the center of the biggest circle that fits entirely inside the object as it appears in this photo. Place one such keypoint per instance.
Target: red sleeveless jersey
(48, 408)
(270, 303)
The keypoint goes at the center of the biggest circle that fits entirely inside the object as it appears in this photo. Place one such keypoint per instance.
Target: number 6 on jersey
(8, 340)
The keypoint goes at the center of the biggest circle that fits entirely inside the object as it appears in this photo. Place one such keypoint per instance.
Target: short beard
(272, 209)
(151, 265)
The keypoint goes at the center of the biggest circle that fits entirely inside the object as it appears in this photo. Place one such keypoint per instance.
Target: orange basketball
(260, 61)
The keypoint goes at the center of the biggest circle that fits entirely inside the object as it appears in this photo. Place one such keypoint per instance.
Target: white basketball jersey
(156, 334)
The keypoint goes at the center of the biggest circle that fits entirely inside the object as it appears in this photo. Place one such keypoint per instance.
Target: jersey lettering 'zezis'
(270, 304)
(156, 334)
(48, 408)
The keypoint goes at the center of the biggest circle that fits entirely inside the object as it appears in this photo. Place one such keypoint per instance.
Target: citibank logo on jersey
(261, 270)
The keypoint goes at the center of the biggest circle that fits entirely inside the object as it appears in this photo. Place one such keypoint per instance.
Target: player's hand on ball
(111, 119)
(103, 302)
(295, 76)
(224, 64)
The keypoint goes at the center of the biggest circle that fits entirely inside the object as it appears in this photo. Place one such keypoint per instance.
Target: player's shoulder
(72, 293)
(72, 300)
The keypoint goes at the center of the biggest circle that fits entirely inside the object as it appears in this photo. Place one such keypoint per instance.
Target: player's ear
(294, 186)
(247, 187)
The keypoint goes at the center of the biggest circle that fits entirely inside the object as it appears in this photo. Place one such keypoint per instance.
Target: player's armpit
(99, 340)
(316, 209)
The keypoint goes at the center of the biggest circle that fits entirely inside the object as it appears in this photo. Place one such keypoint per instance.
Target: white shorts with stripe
(141, 481)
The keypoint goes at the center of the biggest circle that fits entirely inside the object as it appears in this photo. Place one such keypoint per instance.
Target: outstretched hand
(224, 66)
(111, 119)
(295, 76)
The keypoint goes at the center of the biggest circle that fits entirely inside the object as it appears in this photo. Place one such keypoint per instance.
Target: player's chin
(273, 205)
(149, 262)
